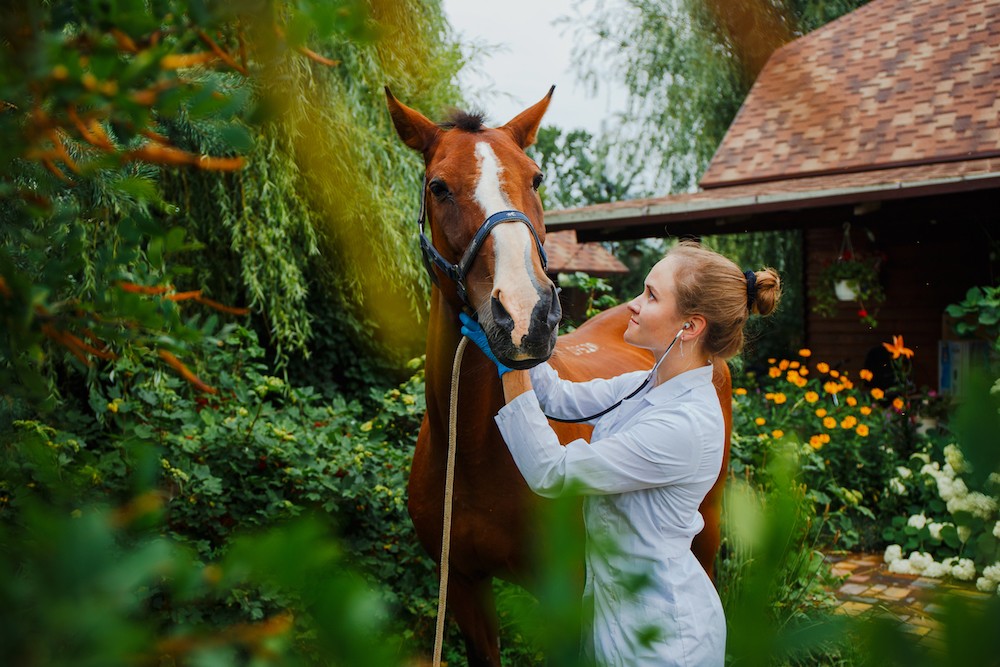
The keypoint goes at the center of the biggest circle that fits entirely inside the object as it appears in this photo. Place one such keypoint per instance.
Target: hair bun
(768, 292)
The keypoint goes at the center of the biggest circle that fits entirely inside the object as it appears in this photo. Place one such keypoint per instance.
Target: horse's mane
(470, 121)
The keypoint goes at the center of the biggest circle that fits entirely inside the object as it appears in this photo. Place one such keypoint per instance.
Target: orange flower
(779, 398)
(832, 387)
(866, 375)
(847, 383)
(851, 401)
(821, 412)
(897, 349)
(804, 370)
(865, 410)
(877, 394)
(740, 391)
(777, 433)
(774, 372)
(816, 442)
(849, 421)
(805, 352)
(794, 364)
(783, 364)
(829, 422)
(825, 437)
(823, 367)
(811, 397)
(771, 360)
(862, 430)
(835, 374)
(897, 403)
(760, 421)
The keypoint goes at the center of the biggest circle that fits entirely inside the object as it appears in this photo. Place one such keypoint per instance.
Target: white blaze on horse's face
(512, 246)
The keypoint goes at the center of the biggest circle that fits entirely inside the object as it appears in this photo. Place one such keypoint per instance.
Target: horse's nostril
(500, 315)
(555, 310)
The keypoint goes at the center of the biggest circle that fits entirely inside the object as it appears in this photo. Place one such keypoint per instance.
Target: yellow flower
(777, 433)
(866, 375)
(367, 426)
(829, 422)
(865, 410)
(832, 387)
(877, 393)
(862, 430)
(760, 421)
(113, 405)
(774, 372)
(897, 349)
(805, 352)
(816, 442)
(851, 401)
(811, 397)
(897, 403)
(823, 367)
(740, 391)
(779, 398)
(849, 421)
(821, 412)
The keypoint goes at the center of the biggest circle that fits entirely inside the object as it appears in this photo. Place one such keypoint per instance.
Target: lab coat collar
(679, 384)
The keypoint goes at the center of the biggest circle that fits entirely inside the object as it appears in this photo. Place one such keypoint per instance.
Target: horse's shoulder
(597, 349)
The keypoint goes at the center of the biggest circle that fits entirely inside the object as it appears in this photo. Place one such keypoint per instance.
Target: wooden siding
(929, 264)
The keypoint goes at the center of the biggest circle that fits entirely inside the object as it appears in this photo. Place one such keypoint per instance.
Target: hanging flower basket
(854, 279)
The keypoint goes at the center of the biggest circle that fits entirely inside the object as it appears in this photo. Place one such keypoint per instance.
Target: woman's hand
(474, 332)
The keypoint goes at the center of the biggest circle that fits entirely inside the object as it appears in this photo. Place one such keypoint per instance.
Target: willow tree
(317, 230)
(687, 65)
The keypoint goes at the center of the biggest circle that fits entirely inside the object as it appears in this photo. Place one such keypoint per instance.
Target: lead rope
(449, 483)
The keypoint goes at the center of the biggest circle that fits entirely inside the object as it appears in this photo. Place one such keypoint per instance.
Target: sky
(528, 53)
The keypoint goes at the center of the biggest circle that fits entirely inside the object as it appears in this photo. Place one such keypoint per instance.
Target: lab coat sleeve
(661, 447)
(572, 400)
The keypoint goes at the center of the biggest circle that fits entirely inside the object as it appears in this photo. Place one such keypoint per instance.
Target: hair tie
(751, 277)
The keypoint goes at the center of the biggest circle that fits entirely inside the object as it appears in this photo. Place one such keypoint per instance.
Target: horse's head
(481, 197)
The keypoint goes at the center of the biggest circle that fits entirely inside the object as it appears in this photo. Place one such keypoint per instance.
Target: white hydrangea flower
(985, 584)
(964, 570)
(932, 469)
(901, 566)
(964, 533)
(935, 529)
(953, 455)
(992, 572)
(996, 530)
(936, 571)
(923, 456)
(920, 561)
(897, 487)
(976, 503)
(918, 521)
(904, 472)
(995, 478)
(893, 552)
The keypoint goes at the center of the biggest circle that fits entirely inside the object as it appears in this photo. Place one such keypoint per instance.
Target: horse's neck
(478, 384)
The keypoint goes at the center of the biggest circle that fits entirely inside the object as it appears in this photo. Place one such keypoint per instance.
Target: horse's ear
(413, 128)
(524, 126)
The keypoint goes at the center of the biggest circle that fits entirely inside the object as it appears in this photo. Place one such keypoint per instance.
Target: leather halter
(458, 272)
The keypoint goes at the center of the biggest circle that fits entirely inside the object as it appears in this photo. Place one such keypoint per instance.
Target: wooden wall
(930, 263)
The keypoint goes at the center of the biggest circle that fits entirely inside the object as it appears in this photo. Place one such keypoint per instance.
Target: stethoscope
(652, 374)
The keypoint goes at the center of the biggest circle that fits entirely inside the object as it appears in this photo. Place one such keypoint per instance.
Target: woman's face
(655, 319)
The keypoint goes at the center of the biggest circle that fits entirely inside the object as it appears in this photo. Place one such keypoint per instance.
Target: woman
(650, 461)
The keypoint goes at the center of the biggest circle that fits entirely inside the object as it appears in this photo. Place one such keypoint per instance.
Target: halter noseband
(458, 272)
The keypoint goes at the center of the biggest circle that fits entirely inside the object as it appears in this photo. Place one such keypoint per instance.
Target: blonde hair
(711, 285)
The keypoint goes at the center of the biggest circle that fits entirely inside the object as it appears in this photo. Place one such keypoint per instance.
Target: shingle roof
(896, 82)
(567, 256)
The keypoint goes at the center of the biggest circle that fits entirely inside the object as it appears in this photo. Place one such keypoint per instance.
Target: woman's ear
(698, 324)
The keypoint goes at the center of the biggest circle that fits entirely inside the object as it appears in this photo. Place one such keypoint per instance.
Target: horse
(480, 199)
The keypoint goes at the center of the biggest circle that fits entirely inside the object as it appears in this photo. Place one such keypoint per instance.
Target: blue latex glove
(475, 333)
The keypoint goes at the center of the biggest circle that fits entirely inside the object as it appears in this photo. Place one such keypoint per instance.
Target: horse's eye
(438, 188)
(537, 181)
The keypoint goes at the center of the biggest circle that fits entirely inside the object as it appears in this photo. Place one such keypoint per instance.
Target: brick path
(910, 598)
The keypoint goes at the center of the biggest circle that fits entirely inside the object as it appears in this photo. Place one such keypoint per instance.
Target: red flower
(862, 313)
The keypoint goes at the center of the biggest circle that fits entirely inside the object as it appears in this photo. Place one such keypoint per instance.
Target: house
(567, 255)
(884, 123)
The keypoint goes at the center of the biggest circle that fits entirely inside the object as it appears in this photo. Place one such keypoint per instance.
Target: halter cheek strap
(458, 272)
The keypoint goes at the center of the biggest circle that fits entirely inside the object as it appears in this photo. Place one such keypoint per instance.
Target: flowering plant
(862, 277)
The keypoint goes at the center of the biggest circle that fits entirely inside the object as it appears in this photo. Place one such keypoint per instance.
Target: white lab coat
(648, 466)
